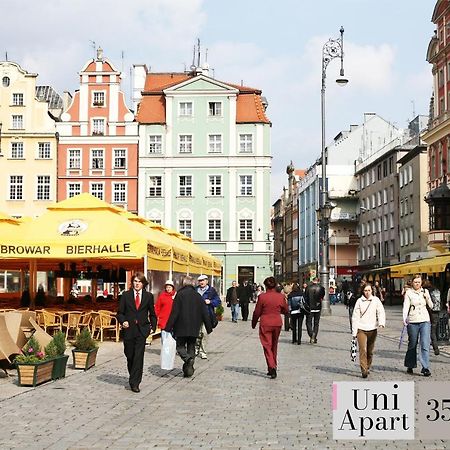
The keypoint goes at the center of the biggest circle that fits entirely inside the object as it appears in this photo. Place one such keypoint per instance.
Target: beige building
(27, 142)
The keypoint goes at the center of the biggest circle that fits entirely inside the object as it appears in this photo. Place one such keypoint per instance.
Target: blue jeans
(418, 332)
(235, 312)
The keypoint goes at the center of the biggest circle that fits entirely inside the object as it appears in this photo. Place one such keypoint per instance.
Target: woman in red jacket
(270, 307)
(163, 305)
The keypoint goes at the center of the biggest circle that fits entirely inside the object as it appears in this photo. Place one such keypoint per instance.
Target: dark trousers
(434, 323)
(268, 336)
(134, 349)
(366, 344)
(244, 311)
(296, 325)
(186, 347)
(313, 330)
(350, 314)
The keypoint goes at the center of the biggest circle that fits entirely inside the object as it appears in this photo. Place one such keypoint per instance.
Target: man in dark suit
(245, 293)
(189, 312)
(137, 316)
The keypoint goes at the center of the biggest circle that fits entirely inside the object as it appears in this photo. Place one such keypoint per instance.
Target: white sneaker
(203, 356)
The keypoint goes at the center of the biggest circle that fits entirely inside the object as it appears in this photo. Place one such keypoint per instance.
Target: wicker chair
(86, 320)
(71, 321)
(52, 321)
(105, 321)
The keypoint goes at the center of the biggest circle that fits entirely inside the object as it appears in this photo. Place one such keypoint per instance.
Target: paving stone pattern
(229, 403)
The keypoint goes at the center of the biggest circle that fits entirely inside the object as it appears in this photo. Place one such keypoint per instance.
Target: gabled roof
(157, 82)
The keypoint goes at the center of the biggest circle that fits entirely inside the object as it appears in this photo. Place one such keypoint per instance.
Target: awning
(432, 265)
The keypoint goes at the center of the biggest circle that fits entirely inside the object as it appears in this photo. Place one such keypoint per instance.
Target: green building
(204, 166)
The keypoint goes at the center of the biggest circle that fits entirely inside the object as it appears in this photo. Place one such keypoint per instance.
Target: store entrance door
(246, 273)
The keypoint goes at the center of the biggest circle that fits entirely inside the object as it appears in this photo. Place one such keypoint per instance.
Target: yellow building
(27, 142)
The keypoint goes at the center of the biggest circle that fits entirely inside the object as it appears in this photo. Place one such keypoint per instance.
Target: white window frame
(245, 143)
(118, 155)
(214, 231)
(411, 235)
(119, 193)
(185, 227)
(17, 99)
(245, 229)
(391, 220)
(215, 185)
(43, 185)
(44, 150)
(155, 144)
(184, 145)
(97, 154)
(72, 159)
(155, 186)
(17, 122)
(185, 109)
(99, 98)
(385, 196)
(98, 126)
(212, 109)
(215, 144)
(73, 188)
(15, 187)
(187, 189)
(17, 150)
(95, 191)
(246, 185)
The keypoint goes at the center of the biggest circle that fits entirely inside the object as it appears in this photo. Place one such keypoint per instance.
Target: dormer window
(98, 127)
(5, 81)
(98, 99)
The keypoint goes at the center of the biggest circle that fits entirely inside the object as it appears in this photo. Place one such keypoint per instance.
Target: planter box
(59, 367)
(33, 374)
(84, 359)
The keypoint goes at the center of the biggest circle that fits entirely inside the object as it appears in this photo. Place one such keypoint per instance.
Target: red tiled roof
(300, 172)
(152, 109)
(156, 82)
(249, 109)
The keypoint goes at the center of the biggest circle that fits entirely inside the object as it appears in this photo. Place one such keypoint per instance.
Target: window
(405, 238)
(373, 201)
(380, 224)
(401, 208)
(411, 235)
(215, 108)
(246, 185)
(214, 230)
(392, 247)
(379, 172)
(119, 193)
(73, 189)
(385, 196)
(245, 229)
(15, 187)
(185, 186)
(401, 238)
(185, 227)
(385, 169)
(74, 158)
(155, 143)
(405, 206)
(367, 179)
(391, 220)
(44, 150)
(374, 227)
(379, 198)
(374, 250)
(215, 143)
(97, 190)
(98, 99)
(363, 253)
(17, 150)
(385, 222)
(386, 248)
(97, 157)
(185, 108)
(18, 99)
(17, 122)
(120, 158)
(363, 229)
(245, 143)
(215, 185)
(368, 252)
(391, 165)
(441, 77)
(400, 178)
(155, 186)
(98, 127)
(185, 143)
(373, 175)
(5, 81)
(43, 187)
(391, 193)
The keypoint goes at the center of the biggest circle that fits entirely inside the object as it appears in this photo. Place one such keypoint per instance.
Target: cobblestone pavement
(229, 403)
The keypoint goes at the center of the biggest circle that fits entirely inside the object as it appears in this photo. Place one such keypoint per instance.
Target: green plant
(219, 310)
(31, 353)
(57, 346)
(84, 341)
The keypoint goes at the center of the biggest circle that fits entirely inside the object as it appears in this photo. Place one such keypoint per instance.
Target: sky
(272, 46)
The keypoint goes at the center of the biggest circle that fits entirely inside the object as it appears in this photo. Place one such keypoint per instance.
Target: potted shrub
(219, 312)
(33, 366)
(56, 350)
(85, 351)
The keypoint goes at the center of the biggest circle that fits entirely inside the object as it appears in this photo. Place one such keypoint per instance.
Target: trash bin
(442, 328)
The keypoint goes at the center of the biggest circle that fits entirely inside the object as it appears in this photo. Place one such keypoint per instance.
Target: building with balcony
(98, 139)
(204, 166)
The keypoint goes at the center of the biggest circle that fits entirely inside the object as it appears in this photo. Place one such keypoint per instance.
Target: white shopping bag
(167, 350)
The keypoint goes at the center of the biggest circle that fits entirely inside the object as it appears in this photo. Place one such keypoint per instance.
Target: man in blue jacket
(212, 300)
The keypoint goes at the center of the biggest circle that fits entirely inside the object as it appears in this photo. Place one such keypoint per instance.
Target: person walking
(314, 295)
(417, 320)
(378, 291)
(189, 313)
(212, 300)
(137, 316)
(269, 308)
(297, 311)
(435, 296)
(163, 305)
(245, 293)
(368, 315)
(233, 301)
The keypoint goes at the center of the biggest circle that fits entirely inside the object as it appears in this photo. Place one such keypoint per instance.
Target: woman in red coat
(163, 305)
(270, 307)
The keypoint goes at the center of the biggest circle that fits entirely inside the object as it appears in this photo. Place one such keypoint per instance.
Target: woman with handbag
(368, 315)
(417, 320)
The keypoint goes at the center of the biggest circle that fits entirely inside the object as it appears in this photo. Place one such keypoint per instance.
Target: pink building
(98, 139)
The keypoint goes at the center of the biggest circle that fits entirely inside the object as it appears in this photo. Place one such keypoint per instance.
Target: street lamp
(333, 48)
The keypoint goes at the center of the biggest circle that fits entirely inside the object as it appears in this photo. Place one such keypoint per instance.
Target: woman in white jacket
(368, 315)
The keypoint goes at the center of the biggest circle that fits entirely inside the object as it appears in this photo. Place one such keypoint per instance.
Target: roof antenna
(206, 56)
(198, 52)
(193, 61)
(6, 55)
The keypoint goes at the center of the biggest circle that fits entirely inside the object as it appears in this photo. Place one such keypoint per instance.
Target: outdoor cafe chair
(71, 321)
(105, 321)
(52, 321)
(86, 321)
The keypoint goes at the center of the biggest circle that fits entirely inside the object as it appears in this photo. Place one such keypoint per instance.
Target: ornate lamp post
(333, 48)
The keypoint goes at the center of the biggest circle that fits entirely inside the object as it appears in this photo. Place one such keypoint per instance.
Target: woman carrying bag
(368, 315)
